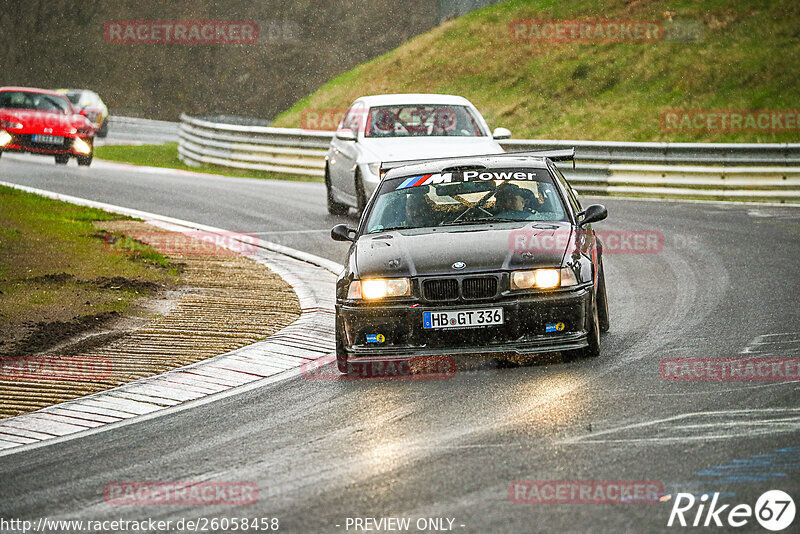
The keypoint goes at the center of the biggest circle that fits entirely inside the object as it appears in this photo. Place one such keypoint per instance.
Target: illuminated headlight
(5, 138)
(81, 147)
(543, 279)
(378, 288)
(11, 124)
(374, 168)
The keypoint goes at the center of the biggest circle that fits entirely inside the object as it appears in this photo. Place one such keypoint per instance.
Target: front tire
(85, 161)
(592, 335)
(593, 332)
(334, 208)
(103, 130)
(602, 301)
(361, 195)
(341, 354)
(62, 159)
(341, 363)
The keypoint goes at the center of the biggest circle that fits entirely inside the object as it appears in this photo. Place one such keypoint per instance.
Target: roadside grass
(56, 267)
(166, 156)
(743, 59)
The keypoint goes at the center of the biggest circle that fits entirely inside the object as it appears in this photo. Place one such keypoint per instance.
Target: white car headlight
(378, 288)
(374, 168)
(543, 279)
(81, 147)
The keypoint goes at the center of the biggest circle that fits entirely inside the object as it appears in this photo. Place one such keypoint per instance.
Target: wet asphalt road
(725, 284)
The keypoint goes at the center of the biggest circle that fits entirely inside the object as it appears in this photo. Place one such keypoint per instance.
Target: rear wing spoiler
(567, 154)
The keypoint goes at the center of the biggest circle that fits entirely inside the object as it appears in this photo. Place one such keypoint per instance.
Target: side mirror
(346, 135)
(501, 133)
(593, 213)
(341, 232)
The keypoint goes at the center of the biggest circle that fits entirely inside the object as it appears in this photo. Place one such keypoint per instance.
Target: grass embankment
(58, 276)
(166, 156)
(744, 58)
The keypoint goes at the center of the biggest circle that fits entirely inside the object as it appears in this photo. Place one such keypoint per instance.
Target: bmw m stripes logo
(414, 181)
(426, 179)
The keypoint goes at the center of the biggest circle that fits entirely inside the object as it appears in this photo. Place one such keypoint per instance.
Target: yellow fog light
(380, 288)
(5, 138)
(81, 147)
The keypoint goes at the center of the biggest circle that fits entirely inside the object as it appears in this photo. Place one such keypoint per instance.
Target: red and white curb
(276, 358)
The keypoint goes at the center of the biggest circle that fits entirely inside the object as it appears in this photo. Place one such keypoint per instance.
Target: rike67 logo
(774, 510)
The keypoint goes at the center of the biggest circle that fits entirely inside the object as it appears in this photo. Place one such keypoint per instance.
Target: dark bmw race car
(44, 122)
(489, 254)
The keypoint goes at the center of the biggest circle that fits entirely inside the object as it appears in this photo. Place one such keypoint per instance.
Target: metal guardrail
(714, 171)
(284, 150)
(126, 130)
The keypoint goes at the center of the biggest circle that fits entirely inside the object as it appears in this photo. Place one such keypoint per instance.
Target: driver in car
(511, 202)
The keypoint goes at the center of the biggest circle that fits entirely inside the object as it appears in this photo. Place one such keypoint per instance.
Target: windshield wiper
(471, 221)
(387, 229)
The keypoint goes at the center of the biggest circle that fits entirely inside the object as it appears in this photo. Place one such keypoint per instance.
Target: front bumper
(373, 331)
(371, 181)
(23, 143)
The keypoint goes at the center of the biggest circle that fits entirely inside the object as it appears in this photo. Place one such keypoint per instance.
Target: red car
(44, 122)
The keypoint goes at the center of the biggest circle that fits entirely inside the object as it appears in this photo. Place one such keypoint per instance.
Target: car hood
(482, 248)
(43, 122)
(395, 149)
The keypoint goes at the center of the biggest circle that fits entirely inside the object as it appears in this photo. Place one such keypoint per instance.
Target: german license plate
(462, 318)
(48, 139)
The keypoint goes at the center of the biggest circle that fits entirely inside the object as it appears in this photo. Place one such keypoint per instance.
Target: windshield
(462, 198)
(422, 121)
(34, 101)
(74, 97)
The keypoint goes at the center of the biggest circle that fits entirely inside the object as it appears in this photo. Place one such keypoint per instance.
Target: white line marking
(281, 232)
(746, 425)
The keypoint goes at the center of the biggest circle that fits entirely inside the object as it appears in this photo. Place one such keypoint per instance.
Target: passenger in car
(418, 213)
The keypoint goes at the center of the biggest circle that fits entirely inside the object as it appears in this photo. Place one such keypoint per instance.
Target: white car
(386, 128)
(90, 105)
